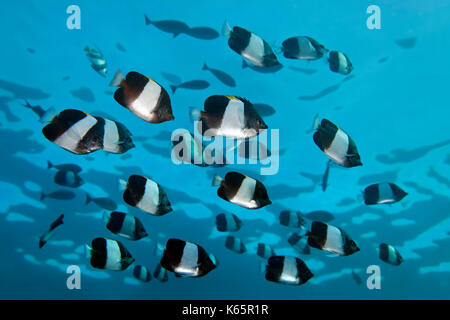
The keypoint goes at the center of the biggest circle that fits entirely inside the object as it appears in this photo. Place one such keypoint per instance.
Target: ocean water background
(396, 111)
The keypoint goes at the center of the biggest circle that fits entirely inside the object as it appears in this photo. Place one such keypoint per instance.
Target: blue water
(396, 111)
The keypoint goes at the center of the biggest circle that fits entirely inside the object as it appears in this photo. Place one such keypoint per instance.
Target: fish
(380, 193)
(271, 69)
(228, 116)
(85, 94)
(22, 92)
(220, 75)
(145, 194)
(171, 77)
(319, 215)
(58, 195)
(290, 218)
(187, 259)
(174, 27)
(192, 84)
(303, 48)
(125, 225)
(357, 278)
(48, 234)
(160, 273)
(228, 222)
(332, 239)
(339, 62)
(81, 133)
(264, 109)
(64, 167)
(264, 251)
(250, 46)
(188, 149)
(31, 50)
(287, 270)
(235, 244)
(204, 33)
(120, 47)
(44, 115)
(108, 254)
(142, 273)
(303, 70)
(336, 144)
(406, 43)
(103, 202)
(299, 243)
(68, 179)
(142, 96)
(97, 60)
(325, 176)
(65, 78)
(389, 254)
(242, 190)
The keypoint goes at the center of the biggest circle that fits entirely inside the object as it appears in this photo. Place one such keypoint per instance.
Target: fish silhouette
(58, 195)
(193, 84)
(204, 33)
(272, 69)
(171, 77)
(22, 92)
(174, 27)
(264, 109)
(84, 94)
(407, 43)
(221, 75)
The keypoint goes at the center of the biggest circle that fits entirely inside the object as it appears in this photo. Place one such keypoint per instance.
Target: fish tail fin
(244, 64)
(226, 29)
(48, 115)
(87, 251)
(217, 180)
(174, 88)
(88, 198)
(49, 164)
(195, 114)
(122, 184)
(147, 20)
(27, 104)
(117, 79)
(262, 267)
(205, 66)
(42, 195)
(315, 125)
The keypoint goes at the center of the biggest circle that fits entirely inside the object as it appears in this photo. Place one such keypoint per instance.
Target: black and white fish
(124, 225)
(108, 254)
(242, 190)
(264, 251)
(336, 144)
(81, 133)
(58, 195)
(221, 75)
(142, 273)
(235, 244)
(103, 202)
(142, 96)
(303, 48)
(68, 179)
(287, 270)
(64, 167)
(228, 116)
(160, 274)
(44, 115)
(390, 255)
(97, 60)
(299, 243)
(228, 222)
(145, 194)
(187, 259)
(250, 46)
(48, 234)
(293, 219)
(332, 239)
(379, 193)
(339, 62)
(191, 84)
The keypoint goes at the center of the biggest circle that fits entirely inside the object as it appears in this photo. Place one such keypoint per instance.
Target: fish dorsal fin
(217, 104)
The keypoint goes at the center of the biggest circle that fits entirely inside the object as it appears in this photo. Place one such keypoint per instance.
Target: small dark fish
(322, 93)
(287, 270)
(170, 26)
(84, 94)
(339, 62)
(406, 43)
(222, 76)
(383, 60)
(64, 167)
(383, 193)
(291, 218)
(390, 255)
(271, 69)
(68, 179)
(303, 48)
(303, 70)
(357, 278)
(325, 176)
(319, 215)
(235, 244)
(124, 225)
(192, 84)
(264, 251)
(97, 60)
(44, 115)
(109, 254)
(264, 109)
(142, 273)
(47, 235)
(58, 195)
(126, 156)
(66, 78)
(332, 239)
(104, 202)
(160, 274)
(171, 77)
(31, 50)
(228, 222)
(120, 47)
(204, 33)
